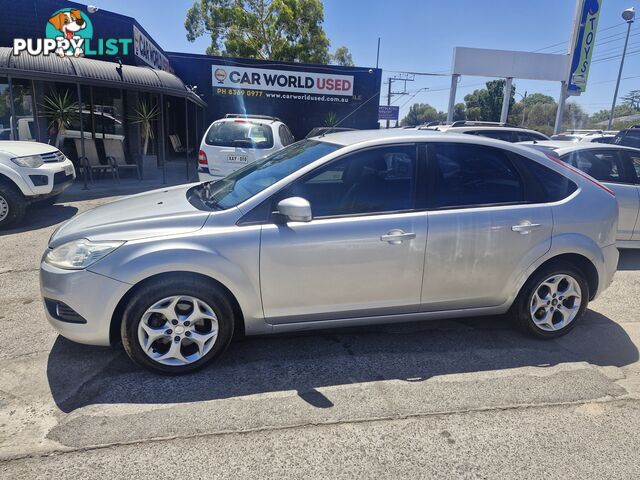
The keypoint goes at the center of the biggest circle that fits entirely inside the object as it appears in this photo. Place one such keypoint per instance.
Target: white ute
(30, 172)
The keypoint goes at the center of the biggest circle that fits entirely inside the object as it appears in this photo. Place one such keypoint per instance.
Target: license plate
(68, 170)
(237, 158)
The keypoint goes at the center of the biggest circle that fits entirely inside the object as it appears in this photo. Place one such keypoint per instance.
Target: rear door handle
(396, 237)
(525, 228)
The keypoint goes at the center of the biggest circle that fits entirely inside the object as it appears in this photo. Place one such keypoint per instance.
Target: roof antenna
(344, 118)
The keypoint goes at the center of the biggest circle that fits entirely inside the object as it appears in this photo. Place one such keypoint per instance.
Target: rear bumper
(607, 269)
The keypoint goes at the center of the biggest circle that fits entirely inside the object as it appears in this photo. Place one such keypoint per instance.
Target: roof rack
(474, 123)
(246, 115)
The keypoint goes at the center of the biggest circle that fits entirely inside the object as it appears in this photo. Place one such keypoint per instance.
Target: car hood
(21, 149)
(159, 212)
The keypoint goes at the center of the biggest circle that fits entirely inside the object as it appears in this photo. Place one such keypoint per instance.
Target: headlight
(31, 161)
(79, 254)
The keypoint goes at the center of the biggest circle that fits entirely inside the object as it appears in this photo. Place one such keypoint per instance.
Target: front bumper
(49, 179)
(93, 296)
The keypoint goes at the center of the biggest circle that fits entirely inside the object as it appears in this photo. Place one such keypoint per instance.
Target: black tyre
(47, 202)
(12, 205)
(177, 325)
(552, 301)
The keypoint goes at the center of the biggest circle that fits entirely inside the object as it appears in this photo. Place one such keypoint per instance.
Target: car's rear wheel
(12, 205)
(177, 326)
(552, 301)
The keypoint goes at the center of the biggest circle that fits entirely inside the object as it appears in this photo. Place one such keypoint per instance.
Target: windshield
(240, 133)
(255, 177)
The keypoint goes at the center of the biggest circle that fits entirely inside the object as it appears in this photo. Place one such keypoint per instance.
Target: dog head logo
(72, 25)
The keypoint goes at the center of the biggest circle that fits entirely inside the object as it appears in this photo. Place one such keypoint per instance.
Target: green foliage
(632, 99)
(330, 119)
(286, 30)
(61, 110)
(536, 98)
(420, 113)
(145, 114)
(342, 56)
(619, 111)
(459, 112)
(486, 103)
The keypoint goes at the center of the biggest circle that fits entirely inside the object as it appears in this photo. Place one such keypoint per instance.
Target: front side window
(473, 175)
(257, 176)
(372, 181)
(603, 165)
(240, 133)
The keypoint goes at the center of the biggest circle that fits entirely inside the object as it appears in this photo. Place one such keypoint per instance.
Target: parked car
(237, 140)
(332, 231)
(629, 137)
(499, 131)
(30, 172)
(618, 168)
(594, 136)
(317, 131)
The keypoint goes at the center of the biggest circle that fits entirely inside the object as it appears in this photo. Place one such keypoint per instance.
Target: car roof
(561, 147)
(261, 121)
(353, 137)
(486, 127)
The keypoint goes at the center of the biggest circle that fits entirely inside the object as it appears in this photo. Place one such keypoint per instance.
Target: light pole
(628, 16)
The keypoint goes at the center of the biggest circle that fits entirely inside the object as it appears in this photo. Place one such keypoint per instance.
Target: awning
(94, 72)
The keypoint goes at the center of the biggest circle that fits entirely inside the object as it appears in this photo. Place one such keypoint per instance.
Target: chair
(114, 150)
(91, 161)
(177, 145)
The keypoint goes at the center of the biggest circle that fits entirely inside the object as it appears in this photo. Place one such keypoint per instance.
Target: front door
(361, 255)
(482, 234)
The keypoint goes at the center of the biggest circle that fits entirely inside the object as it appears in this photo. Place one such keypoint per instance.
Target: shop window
(23, 123)
(5, 110)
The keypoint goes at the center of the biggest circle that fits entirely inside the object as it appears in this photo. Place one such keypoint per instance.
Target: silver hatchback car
(353, 228)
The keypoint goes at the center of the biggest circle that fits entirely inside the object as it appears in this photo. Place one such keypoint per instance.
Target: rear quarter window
(554, 186)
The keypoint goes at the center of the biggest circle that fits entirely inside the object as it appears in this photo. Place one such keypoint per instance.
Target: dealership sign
(584, 42)
(281, 80)
(148, 52)
(388, 112)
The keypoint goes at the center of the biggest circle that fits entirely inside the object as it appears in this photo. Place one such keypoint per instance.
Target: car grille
(53, 157)
(61, 177)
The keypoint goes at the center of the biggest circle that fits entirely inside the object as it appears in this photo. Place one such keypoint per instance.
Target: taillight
(580, 173)
(202, 157)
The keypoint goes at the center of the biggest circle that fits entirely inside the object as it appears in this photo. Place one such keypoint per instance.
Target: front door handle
(525, 228)
(396, 237)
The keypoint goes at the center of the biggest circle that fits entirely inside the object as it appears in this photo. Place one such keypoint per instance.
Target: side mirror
(295, 209)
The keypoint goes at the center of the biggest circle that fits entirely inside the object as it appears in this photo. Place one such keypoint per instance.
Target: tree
(603, 115)
(536, 98)
(342, 56)
(632, 99)
(420, 113)
(286, 30)
(486, 104)
(459, 112)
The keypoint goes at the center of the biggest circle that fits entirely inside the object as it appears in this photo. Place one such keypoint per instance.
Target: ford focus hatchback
(353, 228)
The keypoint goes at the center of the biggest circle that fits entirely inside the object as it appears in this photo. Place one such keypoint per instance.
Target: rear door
(483, 232)
(610, 167)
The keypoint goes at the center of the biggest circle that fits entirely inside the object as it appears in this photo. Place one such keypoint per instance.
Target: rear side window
(556, 187)
(504, 135)
(528, 136)
(630, 138)
(635, 161)
(473, 175)
(286, 137)
(240, 133)
(603, 165)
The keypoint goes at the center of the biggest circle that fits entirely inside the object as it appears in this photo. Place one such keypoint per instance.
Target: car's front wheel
(12, 205)
(177, 326)
(552, 301)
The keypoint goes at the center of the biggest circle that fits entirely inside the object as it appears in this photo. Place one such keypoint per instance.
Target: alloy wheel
(555, 302)
(178, 330)
(4, 208)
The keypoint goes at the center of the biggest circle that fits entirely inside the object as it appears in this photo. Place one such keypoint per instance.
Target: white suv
(237, 140)
(30, 172)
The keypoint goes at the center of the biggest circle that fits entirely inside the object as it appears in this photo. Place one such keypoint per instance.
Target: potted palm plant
(145, 114)
(61, 110)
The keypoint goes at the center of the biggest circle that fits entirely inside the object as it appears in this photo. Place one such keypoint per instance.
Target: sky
(419, 36)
